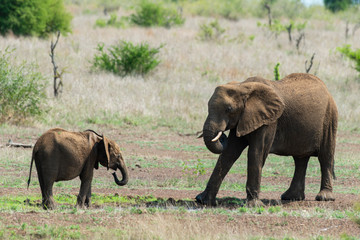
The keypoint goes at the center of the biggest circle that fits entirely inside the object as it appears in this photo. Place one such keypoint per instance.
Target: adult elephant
(295, 116)
(62, 155)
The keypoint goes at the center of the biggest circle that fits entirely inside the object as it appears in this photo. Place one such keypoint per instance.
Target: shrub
(126, 58)
(155, 14)
(113, 21)
(351, 54)
(34, 17)
(229, 9)
(276, 72)
(211, 31)
(22, 90)
(277, 27)
(337, 5)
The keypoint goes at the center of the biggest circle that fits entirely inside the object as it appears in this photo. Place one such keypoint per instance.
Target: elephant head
(242, 106)
(108, 154)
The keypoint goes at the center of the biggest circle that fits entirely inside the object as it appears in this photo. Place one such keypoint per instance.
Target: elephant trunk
(215, 139)
(125, 175)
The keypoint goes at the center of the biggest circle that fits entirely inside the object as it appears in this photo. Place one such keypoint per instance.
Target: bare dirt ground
(271, 225)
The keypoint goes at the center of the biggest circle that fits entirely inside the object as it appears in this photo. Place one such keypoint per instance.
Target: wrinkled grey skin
(295, 116)
(62, 155)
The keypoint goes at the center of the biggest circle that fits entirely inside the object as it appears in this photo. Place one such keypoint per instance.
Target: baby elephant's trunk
(125, 176)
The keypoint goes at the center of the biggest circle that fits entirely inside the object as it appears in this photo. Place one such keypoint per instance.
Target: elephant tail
(333, 172)
(31, 164)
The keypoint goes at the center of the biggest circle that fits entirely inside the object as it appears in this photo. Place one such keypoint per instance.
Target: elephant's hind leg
(296, 191)
(48, 201)
(327, 174)
(46, 190)
(326, 159)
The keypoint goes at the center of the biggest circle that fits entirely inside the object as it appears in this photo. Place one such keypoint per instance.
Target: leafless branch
(347, 30)
(57, 76)
(308, 68)
(289, 28)
(12, 144)
(298, 40)
(190, 134)
(356, 27)
(269, 13)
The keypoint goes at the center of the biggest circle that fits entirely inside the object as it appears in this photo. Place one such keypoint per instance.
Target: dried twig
(288, 29)
(298, 40)
(347, 30)
(356, 27)
(12, 144)
(269, 12)
(308, 68)
(57, 76)
(190, 134)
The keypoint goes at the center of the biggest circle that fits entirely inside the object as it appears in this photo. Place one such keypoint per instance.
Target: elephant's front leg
(260, 143)
(83, 199)
(88, 197)
(226, 160)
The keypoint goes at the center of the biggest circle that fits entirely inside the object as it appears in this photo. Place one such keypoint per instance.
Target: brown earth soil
(243, 224)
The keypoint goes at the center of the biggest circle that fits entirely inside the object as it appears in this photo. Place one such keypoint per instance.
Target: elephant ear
(104, 156)
(262, 106)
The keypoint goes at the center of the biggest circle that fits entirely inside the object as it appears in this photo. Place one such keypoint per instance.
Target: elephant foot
(87, 202)
(291, 195)
(255, 203)
(82, 202)
(48, 204)
(205, 199)
(325, 195)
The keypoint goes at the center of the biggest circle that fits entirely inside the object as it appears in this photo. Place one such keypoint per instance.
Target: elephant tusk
(200, 136)
(217, 137)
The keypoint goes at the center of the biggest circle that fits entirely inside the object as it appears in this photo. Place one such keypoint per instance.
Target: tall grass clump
(22, 90)
(155, 14)
(125, 58)
(211, 32)
(34, 17)
(353, 55)
(229, 9)
(113, 21)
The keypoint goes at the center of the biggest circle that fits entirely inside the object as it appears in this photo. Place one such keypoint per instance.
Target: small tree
(354, 55)
(337, 5)
(22, 90)
(33, 17)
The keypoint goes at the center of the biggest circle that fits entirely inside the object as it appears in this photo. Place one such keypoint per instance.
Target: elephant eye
(228, 109)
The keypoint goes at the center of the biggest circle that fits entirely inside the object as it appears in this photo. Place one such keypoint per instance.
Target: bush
(229, 9)
(155, 14)
(351, 54)
(210, 32)
(276, 72)
(112, 22)
(34, 17)
(337, 5)
(126, 58)
(22, 90)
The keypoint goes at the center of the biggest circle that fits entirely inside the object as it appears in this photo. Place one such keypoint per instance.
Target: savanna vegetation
(142, 72)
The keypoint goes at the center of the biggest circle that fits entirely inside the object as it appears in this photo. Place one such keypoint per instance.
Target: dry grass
(182, 84)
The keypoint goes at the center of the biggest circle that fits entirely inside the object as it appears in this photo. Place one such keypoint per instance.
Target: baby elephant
(62, 155)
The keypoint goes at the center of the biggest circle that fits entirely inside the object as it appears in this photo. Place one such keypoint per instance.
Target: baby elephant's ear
(103, 152)
(105, 143)
(263, 106)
